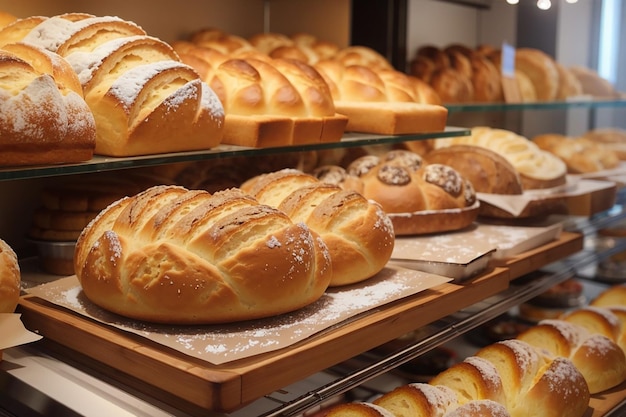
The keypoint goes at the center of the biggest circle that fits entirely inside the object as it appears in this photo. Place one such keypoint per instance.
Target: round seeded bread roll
(418, 197)
(10, 278)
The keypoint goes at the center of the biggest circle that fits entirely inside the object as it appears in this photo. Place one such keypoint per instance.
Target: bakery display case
(121, 367)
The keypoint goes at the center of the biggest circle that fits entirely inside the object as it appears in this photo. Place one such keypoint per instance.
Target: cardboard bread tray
(196, 386)
(568, 243)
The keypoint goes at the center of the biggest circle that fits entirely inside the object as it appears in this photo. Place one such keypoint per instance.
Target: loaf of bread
(140, 93)
(10, 278)
(592, 83)
(217, 39)
(569, 85)
(426, 400)
(44, 118)
(419, 197)
(533, 381)
(172, 255)
(538, 169)
(487, 171)
(542, 71)
(611, 138)
(598, 358)
(380, 101)
(580, 154)
(358, 233)
(358, 409)
(614, 296)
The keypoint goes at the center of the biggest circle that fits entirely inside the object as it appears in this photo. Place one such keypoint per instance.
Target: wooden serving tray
(196, 386)
(604, 402)
(567, 244)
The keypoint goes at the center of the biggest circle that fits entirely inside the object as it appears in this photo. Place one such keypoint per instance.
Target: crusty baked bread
(486, 80)
(488, 171)
(362, 55)
(541, 70)
(140, 93)
(426, 400)
(44, 118)
(172, 255)
(569, 85)
(376, 104)
(452, 86)
(358, 233)
(358, 409)
(614, 296)
(592, 83)
(612, 138)
(598, 358)
(10, 278)
(472, 379)
(580, 154)
(538, 169)
(419, 197)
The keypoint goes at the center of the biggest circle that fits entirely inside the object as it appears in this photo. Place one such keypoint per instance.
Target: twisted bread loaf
(140, 93)
(418, 197)
(358, 233)
(537, 168)
(525, 372)
(10, 278)
(600, 360)
(177, 256)
(43, 116)
(381, 101)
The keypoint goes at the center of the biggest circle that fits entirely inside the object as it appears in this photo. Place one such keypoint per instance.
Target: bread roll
(358, 233)
(221, 41)
(473, 379)
(425, 400)
(614, 296)
(486, 81)
(611, 138)
(10, 278)
(592, 83)
(600, 361)
(580, 154)
(171, 255)
(418, 197)
(362, 55)
(537, 168)
(358, 409)
(139, 92)
(569, 85)
(452, 86)
(43, 116)
(487, 171)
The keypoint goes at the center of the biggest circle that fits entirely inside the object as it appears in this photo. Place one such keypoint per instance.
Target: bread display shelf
(196, 386)
(573, 103)
(102, 163)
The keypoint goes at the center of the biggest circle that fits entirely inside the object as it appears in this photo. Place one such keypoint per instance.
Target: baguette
(171, 255)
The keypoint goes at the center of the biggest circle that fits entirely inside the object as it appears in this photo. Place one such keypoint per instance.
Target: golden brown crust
(44, 116)
(358, 233)
(488, 171)
(177, 256)
(10, 278)
(580, 154)
(419, 197)
(541, 69)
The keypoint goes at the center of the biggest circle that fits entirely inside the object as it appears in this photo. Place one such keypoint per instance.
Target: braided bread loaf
(172, 255)
(418, 197)
(140, 94)
(43, 115)
(359, 235)
(598, 358)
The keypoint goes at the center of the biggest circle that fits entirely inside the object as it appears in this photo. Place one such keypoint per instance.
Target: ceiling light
(544, 4)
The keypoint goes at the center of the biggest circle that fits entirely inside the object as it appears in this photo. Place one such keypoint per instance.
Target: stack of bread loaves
(419, 197)
(358, 233)
(143, 98)
(172, 255)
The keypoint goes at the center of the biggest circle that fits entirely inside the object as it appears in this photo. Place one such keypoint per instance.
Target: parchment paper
(220, 344)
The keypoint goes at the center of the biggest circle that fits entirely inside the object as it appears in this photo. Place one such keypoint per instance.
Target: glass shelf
(101, 163)
(588, 103)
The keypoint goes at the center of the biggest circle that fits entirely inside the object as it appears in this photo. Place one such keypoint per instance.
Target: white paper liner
(220, 344)
(515, 204)
(13, 331)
